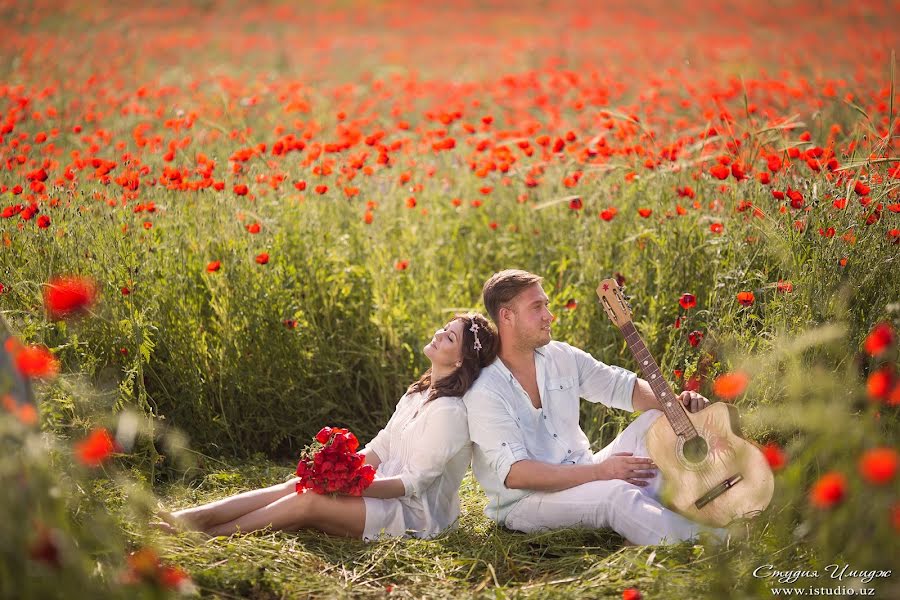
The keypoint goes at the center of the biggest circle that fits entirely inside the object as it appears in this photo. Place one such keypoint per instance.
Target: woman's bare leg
(228, 509)
(335, 515)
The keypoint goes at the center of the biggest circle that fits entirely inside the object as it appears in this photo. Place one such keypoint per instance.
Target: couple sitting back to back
(505, 399)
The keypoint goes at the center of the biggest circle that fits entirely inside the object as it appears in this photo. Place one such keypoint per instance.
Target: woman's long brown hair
(461, 379)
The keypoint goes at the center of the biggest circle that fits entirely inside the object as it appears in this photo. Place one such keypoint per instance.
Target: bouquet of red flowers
(331, 464)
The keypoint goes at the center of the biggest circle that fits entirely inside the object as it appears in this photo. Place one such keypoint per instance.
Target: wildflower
(213, 266)
(695, 337)
(880, 383)
(784, 287)
(262, 258)
(401, 265)
(730, 385)
(572, 304)
(253, 228)
(878, 465)
(576, 204)
(631, 594)
(645, 212)
(43, 221)
(716, 227)
(878, 340)
(746, 298)
(828, 491)
(66, 296)
(241, 189)
(687, 301)
(775, 456)
(96, 448)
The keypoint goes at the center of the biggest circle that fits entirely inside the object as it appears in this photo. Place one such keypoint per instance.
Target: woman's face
(445, 348)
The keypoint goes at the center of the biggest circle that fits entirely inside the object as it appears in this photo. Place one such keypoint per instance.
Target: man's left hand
(693, 401)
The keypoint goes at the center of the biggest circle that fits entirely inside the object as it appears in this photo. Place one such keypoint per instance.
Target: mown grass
(476, 559)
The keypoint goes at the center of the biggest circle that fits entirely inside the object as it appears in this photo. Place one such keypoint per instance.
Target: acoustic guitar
(710, 474)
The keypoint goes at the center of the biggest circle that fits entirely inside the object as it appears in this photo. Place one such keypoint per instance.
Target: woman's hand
(693, 401)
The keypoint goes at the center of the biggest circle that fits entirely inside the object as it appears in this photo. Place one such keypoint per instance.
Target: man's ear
(505, 314)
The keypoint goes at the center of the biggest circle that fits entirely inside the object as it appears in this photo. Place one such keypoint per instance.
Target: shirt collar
(538, 364)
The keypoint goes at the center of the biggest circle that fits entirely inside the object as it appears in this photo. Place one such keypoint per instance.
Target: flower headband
(474, 330)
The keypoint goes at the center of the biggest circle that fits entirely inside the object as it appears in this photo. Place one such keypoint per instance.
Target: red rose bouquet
(331, 464)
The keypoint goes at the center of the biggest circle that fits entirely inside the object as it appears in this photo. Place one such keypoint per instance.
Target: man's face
(530, 317)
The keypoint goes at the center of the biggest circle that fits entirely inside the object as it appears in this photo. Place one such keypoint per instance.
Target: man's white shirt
(506, 427)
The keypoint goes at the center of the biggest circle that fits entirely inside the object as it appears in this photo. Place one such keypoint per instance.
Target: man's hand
(693, 401)
(623, 465)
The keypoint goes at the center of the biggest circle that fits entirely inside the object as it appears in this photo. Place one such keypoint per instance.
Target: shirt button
(554, 435)
(560, 387)
(568, 452)
(545, 416)
(503, 444)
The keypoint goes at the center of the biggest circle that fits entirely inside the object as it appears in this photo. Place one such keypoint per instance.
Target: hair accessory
(474, 330)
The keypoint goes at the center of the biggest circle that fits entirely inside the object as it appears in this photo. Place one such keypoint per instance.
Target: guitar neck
(670, 405)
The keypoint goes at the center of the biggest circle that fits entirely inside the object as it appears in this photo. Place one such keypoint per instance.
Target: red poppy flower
(645, 212)
(687, 301)
(321, 189)
(65, 296)
(262, 258)
(401, 265)
(785, 287)
(410, 202)
(746, 298)
(878, 465)
(36, 362)
(241, 189)
(43, 221)
(730, 385)
(213, 266)
(880, 383)
(631, 594)
(828, 491)
(716, 227)
(576, 204)
(720, 172)
(695, 337)
(571, 304)
(775, 456)
(608, 214)
(253, 228)
(878, 340)
(96, 448)
(861, 189)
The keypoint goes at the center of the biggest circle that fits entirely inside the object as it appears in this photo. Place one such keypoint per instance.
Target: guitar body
(726, 455)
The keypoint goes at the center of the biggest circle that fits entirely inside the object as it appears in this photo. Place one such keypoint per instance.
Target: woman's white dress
(427, 445)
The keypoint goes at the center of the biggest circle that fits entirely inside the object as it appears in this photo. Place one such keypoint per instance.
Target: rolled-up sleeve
(598, 382)
(445, 433)
(494, 430)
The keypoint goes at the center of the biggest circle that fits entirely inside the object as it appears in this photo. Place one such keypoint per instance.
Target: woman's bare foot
(164, 527)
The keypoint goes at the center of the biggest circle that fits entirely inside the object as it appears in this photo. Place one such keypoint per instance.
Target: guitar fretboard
(669, 401)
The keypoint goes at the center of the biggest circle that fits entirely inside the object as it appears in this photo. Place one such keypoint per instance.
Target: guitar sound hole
(695, 450)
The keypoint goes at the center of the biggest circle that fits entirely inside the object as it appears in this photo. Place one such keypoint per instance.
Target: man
(530, 454)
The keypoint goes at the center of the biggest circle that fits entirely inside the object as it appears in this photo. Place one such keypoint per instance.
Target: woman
(420, 458)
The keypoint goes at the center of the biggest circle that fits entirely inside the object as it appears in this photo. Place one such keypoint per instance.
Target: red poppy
(687, 301)
(96, 448)
(253, 228)
(878, 465)
(695, 337)
(716, 227)
(730, 385)
(36, 362)
(571, 304)
(829, 490)
(878, 340)
(746, 298)
(241, 189)
(576, 204)
(785, 287)
(775, 456)
(65, 296)
(608, 214)
(631, 594)
(861, 189)
(880, 383)
(213, 266)
(401, 265)
(645, 212)
(720, 172)
(43, 221)
(410, 202)
(262, 258)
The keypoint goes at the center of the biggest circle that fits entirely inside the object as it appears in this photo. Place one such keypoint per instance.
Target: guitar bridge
(718, 491)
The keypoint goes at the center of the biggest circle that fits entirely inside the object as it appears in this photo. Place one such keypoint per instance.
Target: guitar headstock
(614, 303)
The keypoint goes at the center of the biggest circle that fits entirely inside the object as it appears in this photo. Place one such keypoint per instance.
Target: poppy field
(226, 225)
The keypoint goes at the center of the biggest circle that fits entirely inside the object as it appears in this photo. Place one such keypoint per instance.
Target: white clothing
(427, 445)
(632, 511)
(506, 428)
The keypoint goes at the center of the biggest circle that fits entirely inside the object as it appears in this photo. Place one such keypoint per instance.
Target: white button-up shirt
(506, 427)
(427, 445)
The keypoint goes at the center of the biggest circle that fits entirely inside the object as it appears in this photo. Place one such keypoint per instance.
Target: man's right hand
(623, 465)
